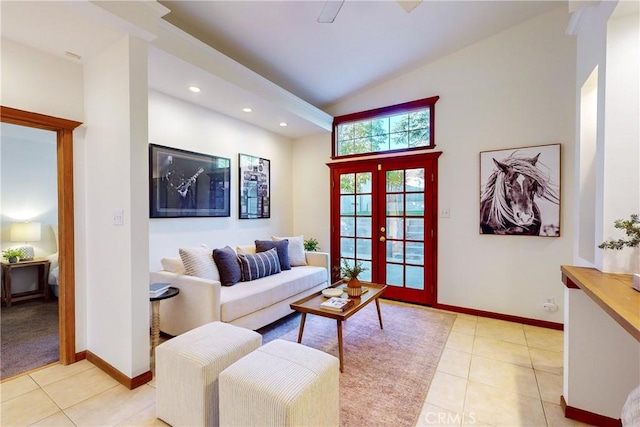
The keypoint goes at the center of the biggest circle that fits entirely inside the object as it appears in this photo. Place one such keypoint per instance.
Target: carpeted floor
(29, 336)
(387, 372)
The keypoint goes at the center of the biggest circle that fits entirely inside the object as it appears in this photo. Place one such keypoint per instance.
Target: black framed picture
(187, 184)
(520, 191)
(254, 192)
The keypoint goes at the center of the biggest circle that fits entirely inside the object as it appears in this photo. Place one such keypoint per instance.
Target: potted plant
(631, 228)
(12, 255)
(350, 273)
(311, 245)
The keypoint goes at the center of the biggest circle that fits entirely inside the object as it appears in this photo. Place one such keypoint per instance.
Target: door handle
(382, 238)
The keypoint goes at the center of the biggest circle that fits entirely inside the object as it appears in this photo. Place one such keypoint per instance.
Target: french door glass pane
(415, 204)
(363, 228)
(415, 277)
(347, 183)
(366, 274)
(347, 247)
(363, 205)
(395, 204)
(347, 205)
(363, 182)
(395, 251)
(415, 253)
(395, 228)
(415, 229)
(395, 275)
(395, 181)
(347, 226)
(415, 180)
(363, 248)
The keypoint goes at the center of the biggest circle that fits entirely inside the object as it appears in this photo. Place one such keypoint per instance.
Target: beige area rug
(387, 372)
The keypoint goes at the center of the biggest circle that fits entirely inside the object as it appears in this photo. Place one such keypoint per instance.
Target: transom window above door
(395, 128)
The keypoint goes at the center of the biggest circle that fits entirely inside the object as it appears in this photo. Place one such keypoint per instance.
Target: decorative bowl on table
(332, 292)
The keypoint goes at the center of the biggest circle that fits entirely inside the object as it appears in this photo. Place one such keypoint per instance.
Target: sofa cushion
(248, 297)
(246, 249)
(282, 246)
(228, 266)
(173, 265)
(198, 262)
(296, 250)
(259, 265)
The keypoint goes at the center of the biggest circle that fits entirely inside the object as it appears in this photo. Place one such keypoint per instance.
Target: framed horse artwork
(520, 191)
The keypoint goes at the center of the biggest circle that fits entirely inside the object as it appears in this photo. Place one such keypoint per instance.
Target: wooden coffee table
(311, 305)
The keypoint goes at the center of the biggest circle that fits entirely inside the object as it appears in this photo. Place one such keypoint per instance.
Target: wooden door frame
(66, 290)
(432, 157)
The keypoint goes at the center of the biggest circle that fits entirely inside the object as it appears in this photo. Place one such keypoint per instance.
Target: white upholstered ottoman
(187, 369)
(281, 384)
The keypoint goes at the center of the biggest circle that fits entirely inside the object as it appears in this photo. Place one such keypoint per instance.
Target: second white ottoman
(187, 369)
(281, 384)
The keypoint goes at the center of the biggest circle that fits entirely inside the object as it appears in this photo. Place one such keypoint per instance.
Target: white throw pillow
(199, 262)
(173, 265)
(296, 250)
(246, 250)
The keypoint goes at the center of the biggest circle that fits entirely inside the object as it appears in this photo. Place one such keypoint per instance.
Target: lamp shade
(25, 231)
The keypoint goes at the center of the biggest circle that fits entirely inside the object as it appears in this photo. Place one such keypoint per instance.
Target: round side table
(155, 320)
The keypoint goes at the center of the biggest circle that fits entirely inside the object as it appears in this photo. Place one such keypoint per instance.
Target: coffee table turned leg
(379, 313)
(302, 319)
(340, 345)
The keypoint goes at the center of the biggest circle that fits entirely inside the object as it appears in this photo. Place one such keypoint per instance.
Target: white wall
(115, 179)
(621, 137)
(513, 89)
(311, 189)
(175, 123)
(40, 82)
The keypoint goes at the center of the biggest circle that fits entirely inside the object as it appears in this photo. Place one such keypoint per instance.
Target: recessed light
(247, 110)
(283, 124)
(194, 89)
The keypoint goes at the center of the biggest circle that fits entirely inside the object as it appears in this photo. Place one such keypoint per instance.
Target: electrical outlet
(445, 213)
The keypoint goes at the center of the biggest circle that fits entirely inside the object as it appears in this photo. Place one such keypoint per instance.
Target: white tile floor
(491, 373)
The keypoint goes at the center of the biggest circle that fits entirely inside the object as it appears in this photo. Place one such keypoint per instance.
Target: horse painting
(508, 201)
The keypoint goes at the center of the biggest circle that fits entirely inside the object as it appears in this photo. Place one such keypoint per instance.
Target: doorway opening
(66, 277)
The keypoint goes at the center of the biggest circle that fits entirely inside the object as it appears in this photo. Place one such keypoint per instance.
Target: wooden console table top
(611, 291)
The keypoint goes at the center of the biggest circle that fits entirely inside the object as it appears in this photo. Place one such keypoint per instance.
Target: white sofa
(251, 304)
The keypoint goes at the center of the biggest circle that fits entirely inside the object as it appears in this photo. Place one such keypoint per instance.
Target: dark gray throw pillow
(282, 247)
(228, 266)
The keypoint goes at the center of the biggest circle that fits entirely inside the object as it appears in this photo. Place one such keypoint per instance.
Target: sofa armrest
(198, 302)
(319, 259)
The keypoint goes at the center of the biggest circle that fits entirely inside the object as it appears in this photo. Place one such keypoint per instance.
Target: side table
(155, 320)
(43, 286)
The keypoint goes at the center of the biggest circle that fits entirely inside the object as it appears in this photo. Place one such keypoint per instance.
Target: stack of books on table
(337, 304)
(157, 289)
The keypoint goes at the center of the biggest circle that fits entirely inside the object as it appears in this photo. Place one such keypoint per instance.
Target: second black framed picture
(254, 191)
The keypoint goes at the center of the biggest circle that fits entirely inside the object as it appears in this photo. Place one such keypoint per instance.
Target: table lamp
(26, 232)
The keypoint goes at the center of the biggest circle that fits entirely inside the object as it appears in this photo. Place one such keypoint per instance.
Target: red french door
(384, 215)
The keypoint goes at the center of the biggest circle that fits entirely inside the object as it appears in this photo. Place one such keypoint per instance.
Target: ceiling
(368, 42)
(313, 66)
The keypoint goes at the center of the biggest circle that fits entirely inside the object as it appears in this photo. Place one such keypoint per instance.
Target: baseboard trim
(500, 316)
(81, 355)
(130, 383)
(588, 417)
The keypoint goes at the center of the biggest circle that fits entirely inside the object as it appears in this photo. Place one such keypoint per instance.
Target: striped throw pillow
(262, 264)
(198, 262)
